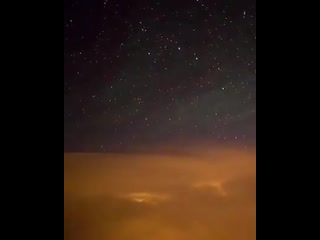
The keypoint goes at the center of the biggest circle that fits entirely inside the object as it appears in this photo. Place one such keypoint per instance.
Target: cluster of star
(154, 71)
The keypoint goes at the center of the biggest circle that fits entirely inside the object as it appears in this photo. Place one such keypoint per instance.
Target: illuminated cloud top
(160, 197)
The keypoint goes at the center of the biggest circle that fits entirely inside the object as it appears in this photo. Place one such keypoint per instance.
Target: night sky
(154, 72)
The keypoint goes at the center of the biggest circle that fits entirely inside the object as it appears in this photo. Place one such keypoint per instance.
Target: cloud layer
(151, 197)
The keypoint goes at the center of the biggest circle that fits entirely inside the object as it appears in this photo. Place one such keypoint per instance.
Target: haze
(207, 195)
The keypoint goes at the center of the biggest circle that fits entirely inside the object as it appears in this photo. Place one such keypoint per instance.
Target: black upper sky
(149, 72)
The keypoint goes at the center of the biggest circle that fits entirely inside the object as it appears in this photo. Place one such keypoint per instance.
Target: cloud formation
(151, 197)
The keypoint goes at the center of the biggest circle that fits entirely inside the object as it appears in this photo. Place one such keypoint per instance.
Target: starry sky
(153, 72)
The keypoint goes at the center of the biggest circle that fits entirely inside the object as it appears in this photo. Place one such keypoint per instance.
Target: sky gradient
(152, 72)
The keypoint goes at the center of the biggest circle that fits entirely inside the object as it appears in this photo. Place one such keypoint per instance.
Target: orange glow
(159, 197)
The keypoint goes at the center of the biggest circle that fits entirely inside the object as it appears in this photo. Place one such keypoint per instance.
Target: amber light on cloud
(151, 197)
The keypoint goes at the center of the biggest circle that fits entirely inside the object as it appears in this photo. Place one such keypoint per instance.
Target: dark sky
(152, 72)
